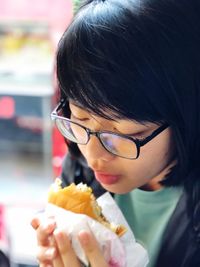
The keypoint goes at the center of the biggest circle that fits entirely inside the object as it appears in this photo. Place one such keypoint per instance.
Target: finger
(58, 262)
(44, 232)
(46, 254)
(35, 222)
(65, 249)
(49, 257)
(92, 249)
(46, 265)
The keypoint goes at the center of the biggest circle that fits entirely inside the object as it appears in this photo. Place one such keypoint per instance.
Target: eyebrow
(138, 131)
(73, 102)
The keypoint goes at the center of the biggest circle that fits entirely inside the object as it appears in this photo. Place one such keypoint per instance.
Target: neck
(155, 183)
(152, 186)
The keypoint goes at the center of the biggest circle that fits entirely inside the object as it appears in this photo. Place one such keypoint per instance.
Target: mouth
(105, 178)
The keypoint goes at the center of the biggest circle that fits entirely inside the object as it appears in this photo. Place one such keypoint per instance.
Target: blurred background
(31, 149)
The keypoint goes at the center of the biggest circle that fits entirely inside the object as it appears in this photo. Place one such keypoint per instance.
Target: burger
(80, 199)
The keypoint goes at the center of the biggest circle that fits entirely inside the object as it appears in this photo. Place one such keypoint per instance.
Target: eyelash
(138, 136)
(78, 119)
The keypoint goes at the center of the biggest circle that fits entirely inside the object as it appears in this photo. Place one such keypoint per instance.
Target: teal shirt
(148, 213)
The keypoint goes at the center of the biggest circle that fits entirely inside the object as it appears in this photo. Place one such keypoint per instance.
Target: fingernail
(49, 227)
(57, 234)
(56, 231)
(35, 223)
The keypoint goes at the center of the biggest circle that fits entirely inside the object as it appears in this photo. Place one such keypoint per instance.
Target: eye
(139, 136)
(142, 134)
(78, 119)
(78, 114)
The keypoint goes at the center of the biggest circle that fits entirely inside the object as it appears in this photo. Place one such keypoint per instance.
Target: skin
(154, 162)
(146, 171)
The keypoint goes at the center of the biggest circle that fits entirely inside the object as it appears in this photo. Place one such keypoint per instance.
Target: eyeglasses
(118, 144)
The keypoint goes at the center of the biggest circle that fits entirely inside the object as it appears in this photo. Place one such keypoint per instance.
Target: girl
(129, 74)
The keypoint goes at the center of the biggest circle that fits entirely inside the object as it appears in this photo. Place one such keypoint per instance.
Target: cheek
(160, 148)
(82, 149)
(158, 154)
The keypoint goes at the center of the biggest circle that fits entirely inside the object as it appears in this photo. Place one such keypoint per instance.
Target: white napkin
(136, 255)
(119, 252)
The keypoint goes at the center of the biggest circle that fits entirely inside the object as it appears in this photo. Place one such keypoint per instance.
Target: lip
(105, 178)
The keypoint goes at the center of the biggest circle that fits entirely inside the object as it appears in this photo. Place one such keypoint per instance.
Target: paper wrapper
(118, 252)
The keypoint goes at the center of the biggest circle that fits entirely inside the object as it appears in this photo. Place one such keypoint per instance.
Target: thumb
(92, 249)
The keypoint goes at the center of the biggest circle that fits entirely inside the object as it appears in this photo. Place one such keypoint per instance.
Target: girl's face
(119, 175)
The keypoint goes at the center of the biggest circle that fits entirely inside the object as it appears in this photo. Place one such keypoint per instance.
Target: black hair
(140, 60)
(4, 260)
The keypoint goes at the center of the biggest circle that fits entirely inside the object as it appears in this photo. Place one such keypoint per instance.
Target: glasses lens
(72, 131)
(119, 145)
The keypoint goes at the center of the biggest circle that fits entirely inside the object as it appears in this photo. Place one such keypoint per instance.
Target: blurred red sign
(7, 107)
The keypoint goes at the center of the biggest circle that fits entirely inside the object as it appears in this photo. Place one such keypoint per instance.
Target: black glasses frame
(138, 142)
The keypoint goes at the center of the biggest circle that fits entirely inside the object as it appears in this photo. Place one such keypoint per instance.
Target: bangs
(104, 66)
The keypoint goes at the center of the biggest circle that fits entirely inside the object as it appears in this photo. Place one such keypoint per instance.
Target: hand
(55, 250)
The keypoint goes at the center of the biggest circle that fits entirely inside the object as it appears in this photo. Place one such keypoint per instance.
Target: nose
(95, 151)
